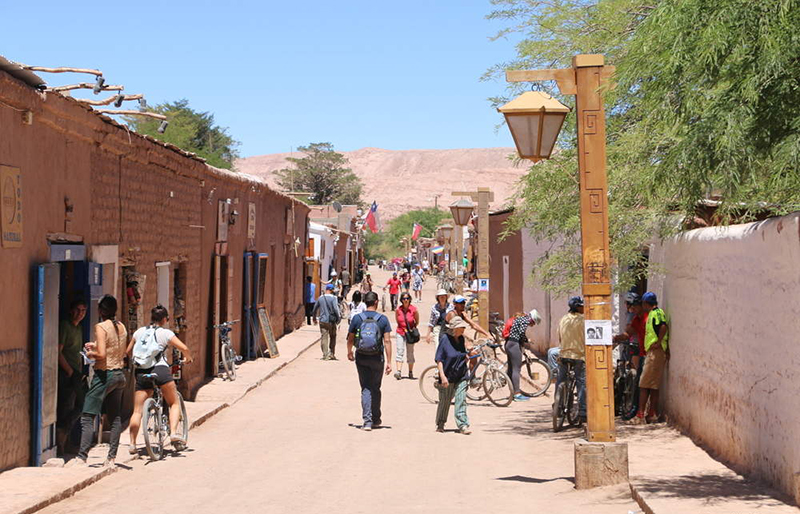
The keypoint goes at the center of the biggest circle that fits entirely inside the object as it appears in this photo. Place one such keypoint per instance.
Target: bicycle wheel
(229, 361)
(497, 387)
(383, 303)
(534, 377)
(629, 395)
(183, 427)
(559, 409)
(344, 307)
(573, 406)
(151, 424)
(426, 384)
(475, 390)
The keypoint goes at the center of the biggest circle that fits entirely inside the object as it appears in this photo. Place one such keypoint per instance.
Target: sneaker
(464, 430)
(521, 398)
(366, 428)
(637, 420)
(108, 463)
(440, 429)
(397, 375)
(333, 358)
(77, 462)
(410, 376)
(133, 450)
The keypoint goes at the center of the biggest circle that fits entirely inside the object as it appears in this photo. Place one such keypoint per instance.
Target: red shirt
(394, 285)
(638, 323)
(406, 320)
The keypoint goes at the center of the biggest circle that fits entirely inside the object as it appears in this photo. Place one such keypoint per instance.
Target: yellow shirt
(570, 331)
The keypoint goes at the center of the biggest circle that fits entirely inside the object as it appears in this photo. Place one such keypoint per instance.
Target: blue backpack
(369, 340)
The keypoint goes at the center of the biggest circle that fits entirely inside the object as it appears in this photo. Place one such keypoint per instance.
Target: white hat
(534, 314)
(333, 273)
(459, 299)
(441, 292)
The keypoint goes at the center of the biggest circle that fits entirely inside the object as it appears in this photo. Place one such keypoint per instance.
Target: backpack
(147, 351)
(369, 340)
(507, 327)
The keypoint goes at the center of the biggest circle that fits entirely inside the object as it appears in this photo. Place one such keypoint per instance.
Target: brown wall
(511, 247)
(153, 201)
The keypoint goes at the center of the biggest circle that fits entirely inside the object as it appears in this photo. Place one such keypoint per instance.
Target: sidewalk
(29, 489)
(669, 474)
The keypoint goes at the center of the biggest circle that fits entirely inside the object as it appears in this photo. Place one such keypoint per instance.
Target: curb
(638, 498)
(83, 484)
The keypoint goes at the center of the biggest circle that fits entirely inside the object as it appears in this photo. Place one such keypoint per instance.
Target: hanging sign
(11, 206)
(483, 284)
(251, 220)
(598, 332)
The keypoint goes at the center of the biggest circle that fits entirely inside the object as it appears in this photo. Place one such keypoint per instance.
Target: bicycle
(155, 419)
(487, 379)
(228, 357)
(535, 375)
(344, 307)
(565, 404)
(625, 381)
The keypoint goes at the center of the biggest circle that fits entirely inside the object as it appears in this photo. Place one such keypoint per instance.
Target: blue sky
(396, 75)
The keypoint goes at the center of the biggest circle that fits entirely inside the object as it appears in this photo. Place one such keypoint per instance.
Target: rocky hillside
(410, 179)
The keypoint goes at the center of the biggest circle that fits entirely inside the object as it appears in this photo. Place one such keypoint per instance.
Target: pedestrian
(571, 338)
(357, 306)
(405, 278)
(452, 362)
(366, 284)
(394, 289)
(108, 382)
(148, 348)
(426, 266)
(417, 279)
(516, 341)
(407, 317)
(71, 383)
(369, 344)
(337, 284)
(326, 310)
(346, 283)
(459, 309)
(656, 344)
(634, 333)
(437, 320)
(309, 298)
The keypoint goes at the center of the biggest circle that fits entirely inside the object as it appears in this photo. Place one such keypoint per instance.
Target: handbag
(412, 336)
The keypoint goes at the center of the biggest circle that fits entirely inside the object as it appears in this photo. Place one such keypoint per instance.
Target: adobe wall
(733, 382)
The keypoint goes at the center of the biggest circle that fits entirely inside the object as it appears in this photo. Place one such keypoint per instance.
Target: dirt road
(293, 446)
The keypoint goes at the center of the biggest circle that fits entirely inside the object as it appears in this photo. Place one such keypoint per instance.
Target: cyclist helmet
(633, 298)
(575, 302)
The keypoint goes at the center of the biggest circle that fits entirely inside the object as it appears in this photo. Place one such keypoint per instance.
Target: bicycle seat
(493, 345)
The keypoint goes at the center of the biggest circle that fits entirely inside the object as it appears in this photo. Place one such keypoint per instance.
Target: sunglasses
(406, 299)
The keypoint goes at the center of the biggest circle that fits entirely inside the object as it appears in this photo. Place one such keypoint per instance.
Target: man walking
(656, 345)
(394, 290)
(346, 283)
(309, 297)
(327, 311)
(369, 344)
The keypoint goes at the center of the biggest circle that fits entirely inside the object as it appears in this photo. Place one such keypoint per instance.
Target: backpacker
(147, 351)
(369, 340)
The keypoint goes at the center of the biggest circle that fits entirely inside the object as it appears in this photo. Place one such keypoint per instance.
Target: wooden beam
(564, 78)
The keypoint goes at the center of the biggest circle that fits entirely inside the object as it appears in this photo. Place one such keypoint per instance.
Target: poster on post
(598, 332)
(266, 332)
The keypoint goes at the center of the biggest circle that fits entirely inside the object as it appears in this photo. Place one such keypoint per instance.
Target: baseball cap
(459, 299)
(650, 297)
(441, 292)
(534, 314)
(329, 286)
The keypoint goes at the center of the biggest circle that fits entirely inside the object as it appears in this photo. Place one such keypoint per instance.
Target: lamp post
(447, 234)
(535, 120)
(462, 212)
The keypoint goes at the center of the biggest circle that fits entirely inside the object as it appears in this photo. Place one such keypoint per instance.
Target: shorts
(654, 365)
(163, 376)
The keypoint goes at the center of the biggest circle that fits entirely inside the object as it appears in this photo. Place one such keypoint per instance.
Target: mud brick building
(90, 208)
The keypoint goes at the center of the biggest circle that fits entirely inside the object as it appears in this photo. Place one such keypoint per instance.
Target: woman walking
(407, 335)
(517, 339)
(417, 278)
(366, 284)
(356, 306)
(108, 383)
(438, 316)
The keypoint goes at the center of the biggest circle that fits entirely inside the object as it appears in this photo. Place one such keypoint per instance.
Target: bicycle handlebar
(226, 324)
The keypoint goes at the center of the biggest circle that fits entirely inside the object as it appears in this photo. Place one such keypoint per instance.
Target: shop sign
(11, 206)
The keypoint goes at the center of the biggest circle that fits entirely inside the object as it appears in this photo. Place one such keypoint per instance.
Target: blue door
(45, 363)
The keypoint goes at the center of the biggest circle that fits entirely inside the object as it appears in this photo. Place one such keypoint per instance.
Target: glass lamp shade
(446, 231)
(535, 119)
(462, 211)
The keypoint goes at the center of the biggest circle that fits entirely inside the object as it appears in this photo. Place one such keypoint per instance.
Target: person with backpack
(452, 362)
(369, 344)
(148, 349)
(329, 315)
(108, 382)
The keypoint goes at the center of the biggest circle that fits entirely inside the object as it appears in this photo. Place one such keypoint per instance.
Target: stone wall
(733, 383)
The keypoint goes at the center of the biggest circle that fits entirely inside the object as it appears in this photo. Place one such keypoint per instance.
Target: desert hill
(409, 179)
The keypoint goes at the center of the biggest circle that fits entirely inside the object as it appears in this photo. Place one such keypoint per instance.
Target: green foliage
(707, 103)
(324, 173)
(386, 244)
(190, 130)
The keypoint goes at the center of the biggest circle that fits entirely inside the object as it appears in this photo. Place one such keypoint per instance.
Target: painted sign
(598, 332)
(251, 221)
(483, 284)
(266, 331)
(11, 206)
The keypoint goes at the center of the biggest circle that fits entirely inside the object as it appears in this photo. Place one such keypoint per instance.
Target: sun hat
(441, 292)
(534, 314)
(457, 322)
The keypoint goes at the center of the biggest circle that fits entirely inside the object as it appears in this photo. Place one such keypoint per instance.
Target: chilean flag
(373, 220)
(417, 230)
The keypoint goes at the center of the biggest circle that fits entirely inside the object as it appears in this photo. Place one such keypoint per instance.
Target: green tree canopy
(190, 130)
(324, 173)
(386, 244)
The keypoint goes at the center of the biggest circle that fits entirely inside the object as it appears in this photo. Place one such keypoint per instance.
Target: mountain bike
(535, 375)
(155, 419)
(565, 404)
(228, 357)
(626, 381)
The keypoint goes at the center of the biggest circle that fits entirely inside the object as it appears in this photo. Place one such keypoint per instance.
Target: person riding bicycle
(148, 347)
(517, 339)
(459, 309)
(571, 339)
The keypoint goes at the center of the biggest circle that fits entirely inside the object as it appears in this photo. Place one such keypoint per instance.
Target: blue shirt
(453, 359)
(327, 309)
(383, 322)
(310, 292)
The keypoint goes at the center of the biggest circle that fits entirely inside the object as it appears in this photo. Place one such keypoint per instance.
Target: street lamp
(462, 211)
(535, 119)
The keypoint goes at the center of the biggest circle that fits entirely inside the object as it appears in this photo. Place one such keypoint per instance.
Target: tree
(190, 130)
(387, 244)
(324, 173)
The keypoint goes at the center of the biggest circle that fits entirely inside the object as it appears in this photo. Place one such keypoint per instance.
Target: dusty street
(293, 445)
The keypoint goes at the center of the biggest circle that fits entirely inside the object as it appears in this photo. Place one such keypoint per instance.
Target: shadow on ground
(710, 487)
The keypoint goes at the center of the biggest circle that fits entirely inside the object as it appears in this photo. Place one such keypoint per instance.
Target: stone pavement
(27, 489)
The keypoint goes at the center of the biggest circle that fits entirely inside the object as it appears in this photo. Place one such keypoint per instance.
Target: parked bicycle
(565, 404)
(535, 375)
(155, 418)
(487, 379)
(228, 357)
(626, 381)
